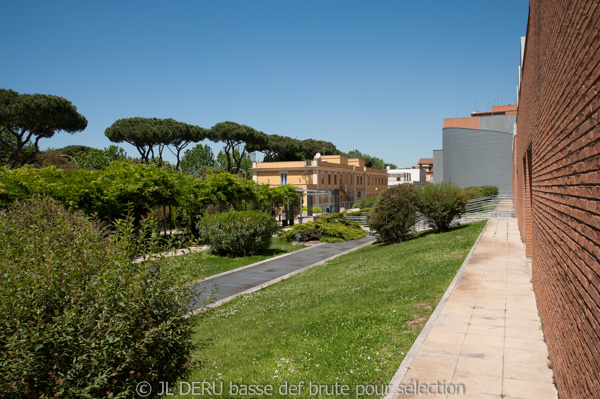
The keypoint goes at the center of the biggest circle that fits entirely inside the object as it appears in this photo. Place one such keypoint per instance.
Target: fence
(494, 206)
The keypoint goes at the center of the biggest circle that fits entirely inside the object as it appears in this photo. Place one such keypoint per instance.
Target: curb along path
(226, 286)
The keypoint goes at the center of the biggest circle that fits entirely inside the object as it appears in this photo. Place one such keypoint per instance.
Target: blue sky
(378, 76)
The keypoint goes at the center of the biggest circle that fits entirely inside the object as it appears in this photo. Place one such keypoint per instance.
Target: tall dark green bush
(238, 233)
(395, 212)
(78, 319)
(441, 203)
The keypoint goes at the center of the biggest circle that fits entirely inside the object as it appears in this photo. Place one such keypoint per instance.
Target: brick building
(556, 177)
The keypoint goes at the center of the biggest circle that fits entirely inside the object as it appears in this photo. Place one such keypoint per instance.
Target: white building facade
(416, 176)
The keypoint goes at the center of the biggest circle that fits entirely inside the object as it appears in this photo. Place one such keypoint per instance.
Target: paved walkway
(485, 333)
(226, 286)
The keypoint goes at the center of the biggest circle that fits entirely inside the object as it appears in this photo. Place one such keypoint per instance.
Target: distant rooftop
(473, 121)
(498, 110)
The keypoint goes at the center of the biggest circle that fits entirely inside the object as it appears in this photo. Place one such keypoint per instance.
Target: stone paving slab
(486, 333)
(230, 284)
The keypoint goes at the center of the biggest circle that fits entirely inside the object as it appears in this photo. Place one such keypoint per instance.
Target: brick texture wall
(556, 182)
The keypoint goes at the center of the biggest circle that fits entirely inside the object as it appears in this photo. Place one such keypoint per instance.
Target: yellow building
(328, 181)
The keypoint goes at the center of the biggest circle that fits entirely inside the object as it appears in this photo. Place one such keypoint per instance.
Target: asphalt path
(220, 288)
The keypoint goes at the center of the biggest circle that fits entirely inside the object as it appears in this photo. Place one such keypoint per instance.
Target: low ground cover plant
(78, 318)
(238, 233)
(395, 213)
(329, 228)
(441, 203)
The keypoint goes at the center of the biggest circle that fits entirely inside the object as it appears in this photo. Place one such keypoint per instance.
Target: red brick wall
(557, 177)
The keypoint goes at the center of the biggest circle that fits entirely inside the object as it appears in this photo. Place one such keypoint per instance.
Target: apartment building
(331, 181)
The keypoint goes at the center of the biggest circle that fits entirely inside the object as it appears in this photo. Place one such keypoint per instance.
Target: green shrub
(441, 203)
(473, 192)
(489, 190)
(78, 319)
(395, 212)
(479, 192)
(329, 228)
(366, 202)
(238, 233)
(314, 209)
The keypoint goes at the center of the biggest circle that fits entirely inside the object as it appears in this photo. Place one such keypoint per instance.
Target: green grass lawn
(203, 264)
(349, 321)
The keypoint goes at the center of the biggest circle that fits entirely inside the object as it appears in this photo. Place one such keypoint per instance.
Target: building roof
(425, 161)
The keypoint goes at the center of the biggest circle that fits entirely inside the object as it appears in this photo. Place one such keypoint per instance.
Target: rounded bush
(395, 213)
(441, 203)
(238, 233)
(329, 228)
(78, 319)
(365, 202)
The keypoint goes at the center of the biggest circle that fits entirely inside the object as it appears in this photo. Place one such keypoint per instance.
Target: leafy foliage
(238, 233)
(314, 209)
(310, 147)
(395, 213)
(27, 118)
(77, 317)
(365, 202)
(95, 159)
(489, 190)
(234, 135)
(245, 163)
(196, 158)
(279, 148)
(270, 199)
(148, 134)
(127, 187)
(330, 228)
(370, 161)
(441, 203)
(473, 192)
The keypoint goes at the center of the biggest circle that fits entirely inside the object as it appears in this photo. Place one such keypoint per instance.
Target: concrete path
(226, 286)
(485, 334)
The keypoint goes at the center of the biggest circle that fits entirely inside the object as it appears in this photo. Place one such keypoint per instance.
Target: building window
(404, 177)
(283, 179)
(329, 179)
(322, 178)
(335, 179)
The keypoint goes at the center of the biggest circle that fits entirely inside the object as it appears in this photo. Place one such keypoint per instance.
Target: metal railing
(495, 206)
(361, 219)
